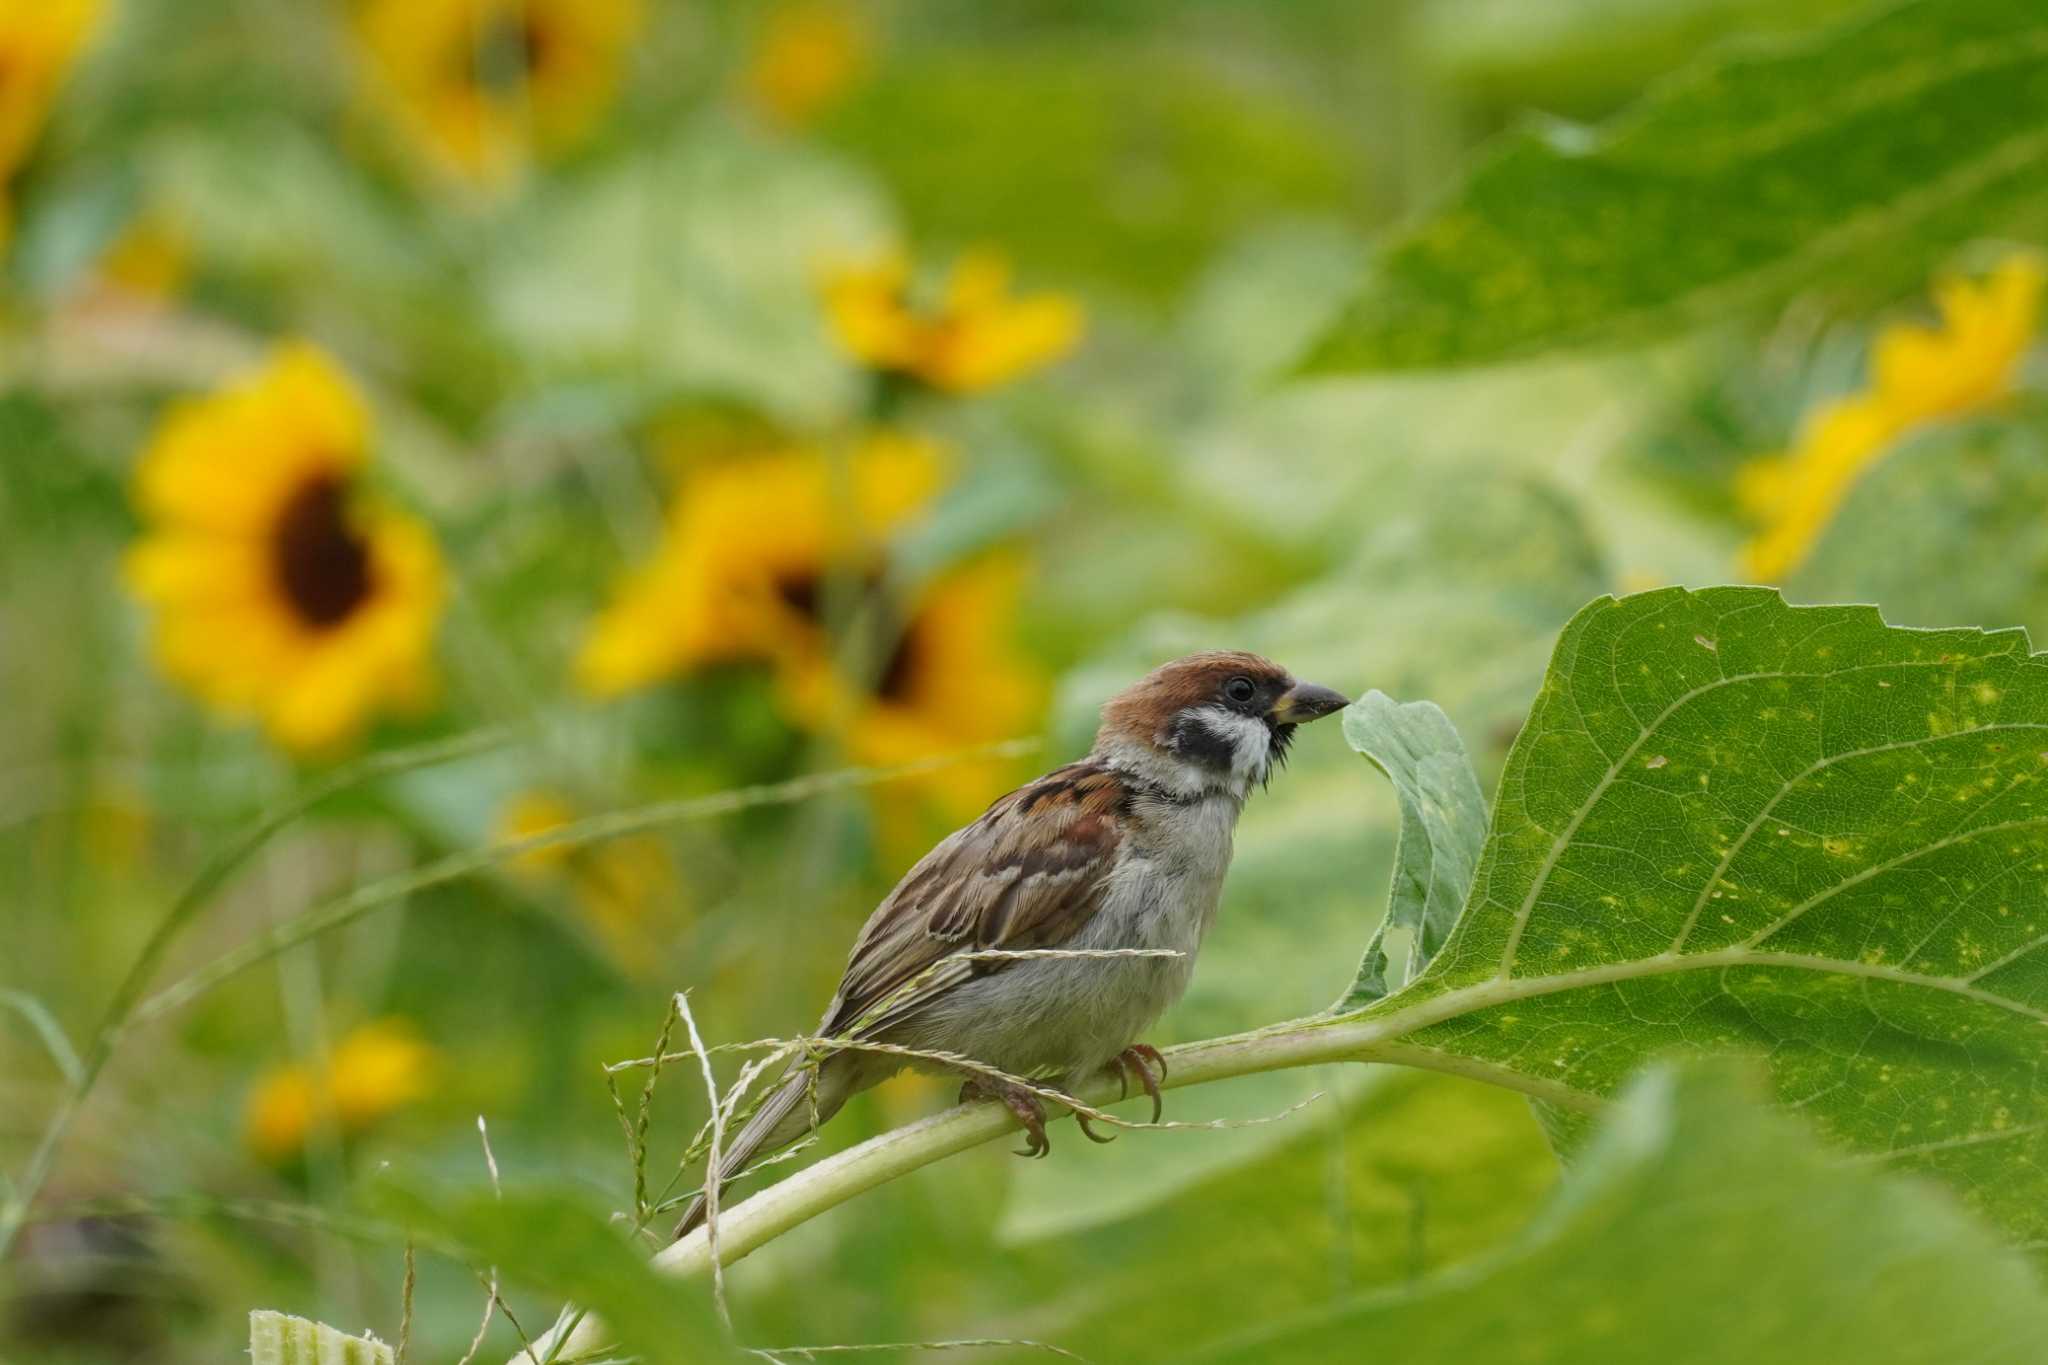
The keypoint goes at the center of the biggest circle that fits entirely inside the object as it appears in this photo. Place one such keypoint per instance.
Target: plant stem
(758, 1220)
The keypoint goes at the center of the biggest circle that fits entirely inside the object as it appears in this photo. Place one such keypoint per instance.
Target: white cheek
(1251, 742)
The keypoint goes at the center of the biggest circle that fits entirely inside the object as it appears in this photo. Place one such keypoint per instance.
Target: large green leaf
(1703, 1228)
(1443, 825)
(1734, 824)
(1864, 154)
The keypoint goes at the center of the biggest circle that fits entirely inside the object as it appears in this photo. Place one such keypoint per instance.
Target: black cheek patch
(1193, 740)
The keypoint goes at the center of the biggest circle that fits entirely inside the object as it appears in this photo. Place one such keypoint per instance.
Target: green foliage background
(1413, 328)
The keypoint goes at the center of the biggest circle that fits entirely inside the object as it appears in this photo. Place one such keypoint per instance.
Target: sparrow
(1125, 849)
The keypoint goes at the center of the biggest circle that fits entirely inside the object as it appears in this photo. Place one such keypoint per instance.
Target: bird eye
(1240, 690)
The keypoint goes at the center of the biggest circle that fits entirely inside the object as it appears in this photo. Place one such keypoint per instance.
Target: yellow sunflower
(282, 591)
(1919, 374)
(482, 83)
(752, 549)
(974, 335)
(621, 885)
(40, 40)
(761, 553)
(951, 678)
(375, 1071)
(808, 54)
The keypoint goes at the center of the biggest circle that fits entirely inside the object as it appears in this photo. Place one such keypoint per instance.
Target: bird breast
(1066, 1017)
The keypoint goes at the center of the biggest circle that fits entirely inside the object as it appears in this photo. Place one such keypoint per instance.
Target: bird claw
(1081, 1119)
(1023, 1106)
(1138, 1060)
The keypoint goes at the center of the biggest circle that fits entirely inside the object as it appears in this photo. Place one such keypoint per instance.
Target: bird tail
(805, 1099)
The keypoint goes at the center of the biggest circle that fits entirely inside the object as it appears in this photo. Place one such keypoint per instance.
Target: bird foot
(1138, 1060)
(1021, 1103)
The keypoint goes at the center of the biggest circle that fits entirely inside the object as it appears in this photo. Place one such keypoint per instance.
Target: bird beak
(1306, 701)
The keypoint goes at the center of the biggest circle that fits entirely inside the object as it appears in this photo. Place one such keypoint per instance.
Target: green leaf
(552, 1240)
(1410, 1175)
(1859, 157)
(1972, 547)
(1570, 56)
(1735, 824)
(1701, 1227)
(692, 264)
(276, 1339)
(1056, 154)
(1443, 824)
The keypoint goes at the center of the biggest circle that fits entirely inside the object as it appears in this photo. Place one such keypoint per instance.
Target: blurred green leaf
(1266, 297)
(1945, 528)
(1058, 155)
(1443, 825)
(1859, 157)
(1701, 1227)
(1402, 1175)
(1732, 823)
(1579, 55)
(692, 264)
(551, 1239)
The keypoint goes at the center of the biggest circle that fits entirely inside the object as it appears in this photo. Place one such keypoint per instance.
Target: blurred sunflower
(752, 550)
(974, 334)
(1919, 374)
(482, 83)
(808, 54)
(950, 677)
(374, 1071)
(282, 591)
(621, 885)
(40, 40)
(756, 560)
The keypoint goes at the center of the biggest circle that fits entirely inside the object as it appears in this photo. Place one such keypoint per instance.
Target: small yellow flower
(1919, 374)
(282, 591)
(620, 885)
(751, 552)
(40, 40)
(483, 83)
(810, 52)
(375, 1071)
(975, 336)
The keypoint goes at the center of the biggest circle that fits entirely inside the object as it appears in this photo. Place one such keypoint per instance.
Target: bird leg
(1138, 1060)
(1020, 1102)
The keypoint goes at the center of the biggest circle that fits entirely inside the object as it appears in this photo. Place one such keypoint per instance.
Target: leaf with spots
(1701, 1228)
(1443, 824)
(1857, 158)
(1734, 824)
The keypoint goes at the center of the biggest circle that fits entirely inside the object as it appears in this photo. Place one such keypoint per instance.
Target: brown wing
(1028, 874)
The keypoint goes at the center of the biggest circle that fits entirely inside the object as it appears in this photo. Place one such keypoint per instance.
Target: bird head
(1216, 721)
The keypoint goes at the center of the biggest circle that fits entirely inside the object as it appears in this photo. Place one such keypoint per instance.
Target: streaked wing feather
(1028, 874)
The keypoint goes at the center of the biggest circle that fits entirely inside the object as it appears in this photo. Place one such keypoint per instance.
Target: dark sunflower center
(322, 563)
(804, 594)
(509, 50)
